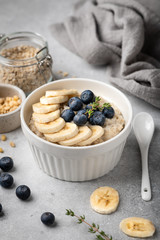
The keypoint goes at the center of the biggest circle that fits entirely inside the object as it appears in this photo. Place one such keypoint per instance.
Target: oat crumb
(1, 150)
(12, 144)
(65, 74)
(60, 72)
(3, 138)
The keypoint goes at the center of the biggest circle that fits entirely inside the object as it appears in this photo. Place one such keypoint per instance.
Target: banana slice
(104, 200)
(50, 127)
(46, 117)
(83, 134)
(70, 130)
(97, 132)
(41, 108)
(53, 100)
(137, 227)
(62, 92)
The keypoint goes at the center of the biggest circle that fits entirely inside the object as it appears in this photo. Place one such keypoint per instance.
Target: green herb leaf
(90, 112)
(79, 221)
(67, 212)
(97, 99)
(71, 213)
(90, 229)
(97, 226)
(99, 237)
(107, 105)
(93, 225)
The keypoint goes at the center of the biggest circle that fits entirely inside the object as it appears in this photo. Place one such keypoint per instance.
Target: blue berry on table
(48, 218)
(75, 103)
(87, 96)
(68, 115)
(6, 180)
(23, 192)
(80, 119)
(97, 118)
(6, 164)
(108, 112)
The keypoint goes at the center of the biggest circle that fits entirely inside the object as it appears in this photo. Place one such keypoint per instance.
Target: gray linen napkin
(121, 34)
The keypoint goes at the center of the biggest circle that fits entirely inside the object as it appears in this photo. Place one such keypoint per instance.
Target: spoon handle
(145, 187)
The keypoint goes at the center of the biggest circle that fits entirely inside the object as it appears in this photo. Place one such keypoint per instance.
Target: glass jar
(25, 60)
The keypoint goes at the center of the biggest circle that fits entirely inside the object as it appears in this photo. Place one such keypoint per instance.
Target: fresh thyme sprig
(93, 228)
(105, 105)
(96, 105)
(90, 112)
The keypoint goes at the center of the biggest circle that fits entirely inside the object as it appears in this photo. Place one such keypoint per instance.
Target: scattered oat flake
(65, 74)
(12, 144)
(1, 150)
(73, 76)
(60, 72)
(3, 138)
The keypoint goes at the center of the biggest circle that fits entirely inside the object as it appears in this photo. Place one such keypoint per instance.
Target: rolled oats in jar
(25, 60)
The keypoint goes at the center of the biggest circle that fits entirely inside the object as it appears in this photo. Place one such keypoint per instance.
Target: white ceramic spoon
(143, 126)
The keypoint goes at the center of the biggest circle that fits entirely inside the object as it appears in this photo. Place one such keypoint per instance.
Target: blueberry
(82, 111)
(91, 120)
(68, 115)
(108, 112)
(23, 192)
(97, 118)
(6, 180)
(80, 119)
(87, 96)
(89, 106)
(47, 218)
(6, 164)
(75, 103)
(0, 208)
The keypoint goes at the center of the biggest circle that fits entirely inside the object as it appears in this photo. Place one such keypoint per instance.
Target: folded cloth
(121, 34)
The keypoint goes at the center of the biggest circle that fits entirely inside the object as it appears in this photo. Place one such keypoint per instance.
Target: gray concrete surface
(22, 219)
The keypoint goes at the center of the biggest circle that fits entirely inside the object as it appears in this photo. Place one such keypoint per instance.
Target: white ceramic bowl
(11, 120)
(77, 163)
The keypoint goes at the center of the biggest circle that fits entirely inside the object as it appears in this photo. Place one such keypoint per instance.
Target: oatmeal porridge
(70, 118)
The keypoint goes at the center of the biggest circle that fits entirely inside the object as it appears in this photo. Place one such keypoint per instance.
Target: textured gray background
(22, 219)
